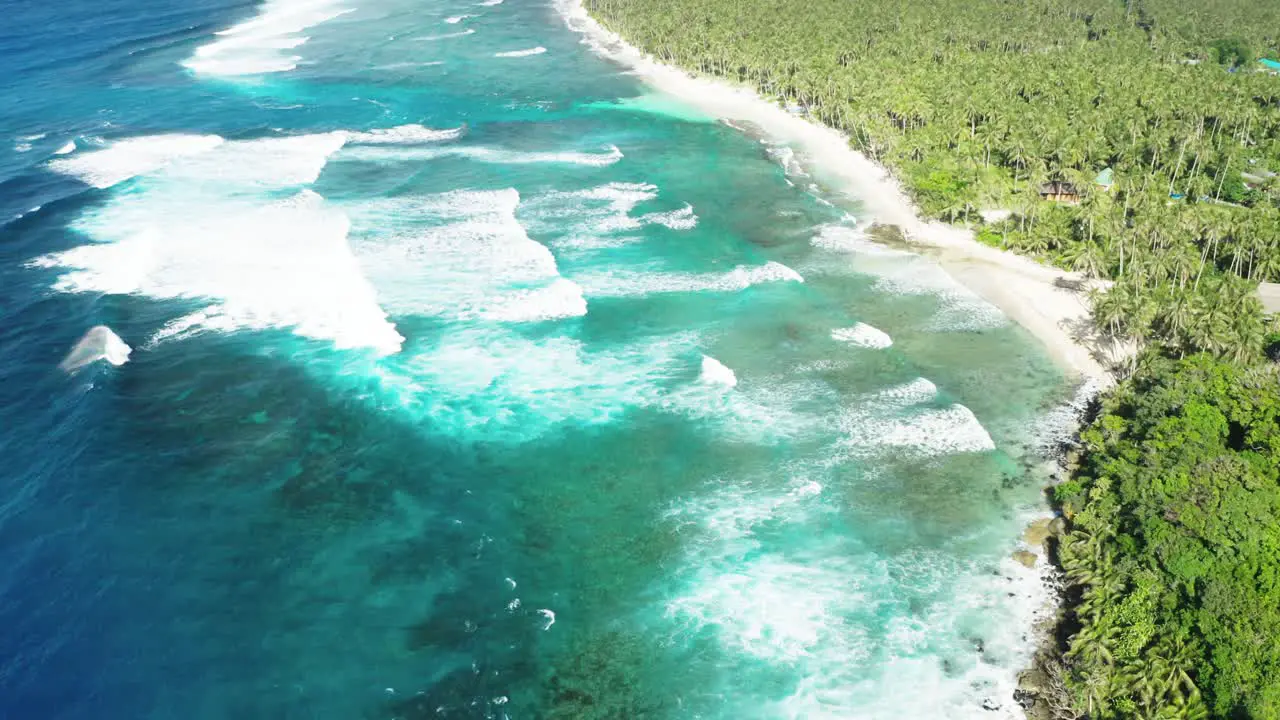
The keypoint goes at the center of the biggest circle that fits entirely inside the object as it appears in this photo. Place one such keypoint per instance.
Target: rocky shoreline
(1042, 691)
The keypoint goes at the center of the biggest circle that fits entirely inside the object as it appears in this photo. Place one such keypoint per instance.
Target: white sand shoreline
(1033, 295)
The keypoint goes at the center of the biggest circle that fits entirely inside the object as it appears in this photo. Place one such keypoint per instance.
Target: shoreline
(1047, 302)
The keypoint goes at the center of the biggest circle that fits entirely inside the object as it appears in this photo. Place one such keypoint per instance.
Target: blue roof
(1270, 63)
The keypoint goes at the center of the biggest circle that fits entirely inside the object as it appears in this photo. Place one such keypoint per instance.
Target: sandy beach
(1046, 301)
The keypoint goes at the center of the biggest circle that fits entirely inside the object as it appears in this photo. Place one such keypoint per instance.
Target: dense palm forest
(1155, 131)
(979, 104)
(1176, 546)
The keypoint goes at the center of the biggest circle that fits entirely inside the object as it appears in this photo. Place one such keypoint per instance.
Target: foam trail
(258, 46)
(901, 417)
(682, 219)
(595, 217)
(631, 284)
(33, 209)
(470, 251)
(521, 53)
(457, 19)
(401, 65)
(715, 372)
(446, 36)
(490, 155)
(99, 343)
(490, 3)
(863, 335)
(412, 134)
(127, 158)
(903, 273)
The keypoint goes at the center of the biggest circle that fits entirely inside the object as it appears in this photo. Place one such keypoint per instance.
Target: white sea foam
(904, 273)
(23, 142)
(630, 283)
(457, 19)
(904, 418)
(772, 585)
(845, 239)
(786, 157)
(489, 3)
(28, 211)
(99, 343)
(1058, 426)
(714, 372)
(464, 255)
(401, 65)
(199, 228)
(66, 149)
(598, 217)
(404, 135)
(446, 36)
(489, 155)
(863, 335)
(682, 219)
(549, 616)
(760, 413)
(187, 325)
(791, 606)
(598, 210)
(130, 157)
(521, 53)
(266, 163)
(560, 299)
(959, 309)
(490, 379)
(259, 45)
(778, 609)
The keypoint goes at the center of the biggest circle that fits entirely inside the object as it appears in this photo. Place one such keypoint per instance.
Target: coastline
(1051, 304)
(1047, 302)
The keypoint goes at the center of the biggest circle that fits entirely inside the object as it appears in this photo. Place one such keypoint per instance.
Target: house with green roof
(1105, 179)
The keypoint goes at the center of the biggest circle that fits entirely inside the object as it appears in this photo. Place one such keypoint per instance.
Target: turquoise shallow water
(470, 378)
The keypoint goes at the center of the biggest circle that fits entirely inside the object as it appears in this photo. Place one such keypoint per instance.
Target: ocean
(471, 378)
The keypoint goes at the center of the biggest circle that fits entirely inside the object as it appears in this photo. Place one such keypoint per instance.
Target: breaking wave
(404, 135)
(908, 418)
(99, 343)
(900, 272)
(461, 254)
(124, 159)
(489, 155)
(601, 216)
(200, 228)
(631, 283)
(260, 45)
(715, 372)
(446, 36)
(521, 53)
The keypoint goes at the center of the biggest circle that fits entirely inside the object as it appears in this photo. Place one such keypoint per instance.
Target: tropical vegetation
(978, 104)
(1175, 545)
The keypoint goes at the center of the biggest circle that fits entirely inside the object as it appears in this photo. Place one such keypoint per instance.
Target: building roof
(1106, 178)
(1057, 187)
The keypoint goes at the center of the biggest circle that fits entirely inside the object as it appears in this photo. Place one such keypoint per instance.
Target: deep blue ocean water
(470, 378)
